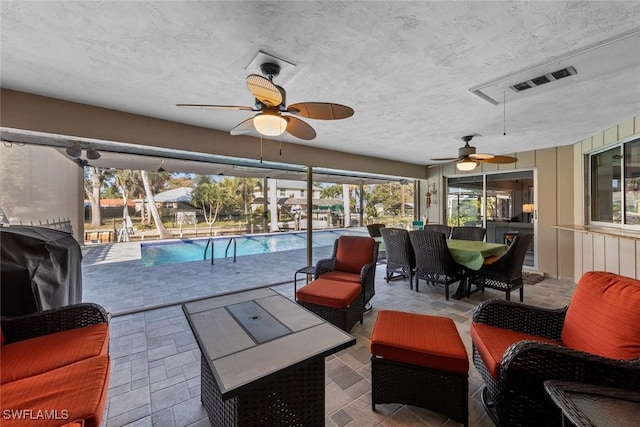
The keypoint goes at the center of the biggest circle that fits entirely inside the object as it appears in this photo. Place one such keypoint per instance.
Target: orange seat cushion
(419, 339)
(342, 276)
(74, 392)
(604, 315)
(353, 253)
(22, 359)
(491, 343)
(329, 293)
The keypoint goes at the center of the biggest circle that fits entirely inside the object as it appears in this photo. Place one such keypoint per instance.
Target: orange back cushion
(354, 252)
(604, 316)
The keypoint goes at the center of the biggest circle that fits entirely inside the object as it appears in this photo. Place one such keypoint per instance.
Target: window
(615, 185)
(283, 192)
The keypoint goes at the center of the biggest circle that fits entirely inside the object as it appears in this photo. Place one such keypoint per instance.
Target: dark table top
(587, 405)
(254, 335)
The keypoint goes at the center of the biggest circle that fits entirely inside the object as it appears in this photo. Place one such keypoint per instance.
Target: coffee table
(262, 358)
(588, 405)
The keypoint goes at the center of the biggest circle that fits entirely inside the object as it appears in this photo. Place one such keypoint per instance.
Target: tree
(129, 183)
(244, 190)
(209, 195)
(93, 179)
(162, 231)
(332, 191)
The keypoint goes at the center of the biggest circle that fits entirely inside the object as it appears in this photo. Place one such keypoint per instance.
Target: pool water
(157, 253)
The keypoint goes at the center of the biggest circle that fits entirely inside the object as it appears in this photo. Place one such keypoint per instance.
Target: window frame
(589, 185)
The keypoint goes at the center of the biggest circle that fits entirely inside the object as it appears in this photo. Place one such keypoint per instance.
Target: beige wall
(38, 113)
(554, 202)
(38, 184)
(602, 249)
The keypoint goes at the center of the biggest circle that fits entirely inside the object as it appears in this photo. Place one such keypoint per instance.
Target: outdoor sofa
(54, 367)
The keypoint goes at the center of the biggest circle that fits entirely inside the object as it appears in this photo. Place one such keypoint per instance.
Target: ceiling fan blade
(321, 110)
(481, 156)
(445, 159)
(216, 107)
(264, 90)
(300, 129)
(245, 127)
(501, 160)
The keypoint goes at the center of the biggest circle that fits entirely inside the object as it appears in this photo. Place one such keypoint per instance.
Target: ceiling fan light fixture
(74, 151)
(466, 165)
(269, 124)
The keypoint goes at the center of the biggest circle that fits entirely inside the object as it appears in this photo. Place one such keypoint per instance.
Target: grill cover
(40, 269)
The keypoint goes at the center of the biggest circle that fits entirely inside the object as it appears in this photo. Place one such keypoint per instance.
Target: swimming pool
(157, 253)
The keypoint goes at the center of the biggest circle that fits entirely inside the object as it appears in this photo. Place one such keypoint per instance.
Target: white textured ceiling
(404, 67)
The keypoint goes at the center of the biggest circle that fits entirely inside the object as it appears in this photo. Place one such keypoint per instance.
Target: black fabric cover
(40, 269)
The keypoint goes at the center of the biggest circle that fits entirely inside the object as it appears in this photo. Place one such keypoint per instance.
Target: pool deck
(155, 377)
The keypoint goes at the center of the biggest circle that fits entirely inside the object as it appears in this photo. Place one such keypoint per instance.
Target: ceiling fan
(270, 104)
(468, 159)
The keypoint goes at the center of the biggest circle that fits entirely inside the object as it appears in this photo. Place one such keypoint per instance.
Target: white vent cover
(287, 69)
(617, 53)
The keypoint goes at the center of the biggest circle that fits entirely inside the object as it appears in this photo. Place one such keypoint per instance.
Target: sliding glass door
(503, 203)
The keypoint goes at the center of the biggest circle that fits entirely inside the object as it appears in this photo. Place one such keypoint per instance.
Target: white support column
(347, 205)
(273, 203)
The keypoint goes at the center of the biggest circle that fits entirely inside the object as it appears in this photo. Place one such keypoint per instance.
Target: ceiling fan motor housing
(270, 70)
(466, 151)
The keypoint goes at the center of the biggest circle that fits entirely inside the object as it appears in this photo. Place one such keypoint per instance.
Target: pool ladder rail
(226, 251)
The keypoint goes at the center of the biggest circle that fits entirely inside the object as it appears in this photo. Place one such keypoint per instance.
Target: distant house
(178, 198)
(286, 189)
(112, 203)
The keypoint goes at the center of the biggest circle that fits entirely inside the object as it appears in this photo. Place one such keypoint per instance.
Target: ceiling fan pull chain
(260, 149)
(504, 114)
(280, 148)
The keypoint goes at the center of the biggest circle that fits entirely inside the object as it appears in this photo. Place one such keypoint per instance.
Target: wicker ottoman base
(343, 318)
(294, 399)
(444, 392)
(419, 360)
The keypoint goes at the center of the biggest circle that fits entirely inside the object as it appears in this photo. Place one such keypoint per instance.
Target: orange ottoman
(420, 360)
(339, 303)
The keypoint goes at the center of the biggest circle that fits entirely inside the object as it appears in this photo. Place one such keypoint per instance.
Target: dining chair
(468, 233)
(400, 257)
(434, 262)
(374, 229)
(504, 273)
(441, 228)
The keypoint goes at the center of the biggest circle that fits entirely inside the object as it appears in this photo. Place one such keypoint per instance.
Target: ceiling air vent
(543, 79)
(608, 56)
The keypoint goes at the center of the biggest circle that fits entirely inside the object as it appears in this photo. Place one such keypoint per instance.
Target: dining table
(471, 255)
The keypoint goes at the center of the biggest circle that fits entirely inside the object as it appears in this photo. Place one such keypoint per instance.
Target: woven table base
(295, 398)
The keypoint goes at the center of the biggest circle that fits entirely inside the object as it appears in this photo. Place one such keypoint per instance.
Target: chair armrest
(368, 279)
(324, 266)
(50, 321)
(520, 317)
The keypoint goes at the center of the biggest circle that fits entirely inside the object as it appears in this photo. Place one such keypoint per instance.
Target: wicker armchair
(505, 274)
(444, 229)
(400, 256)
(514, 394)
(330, 267)
(47, 322)
(434, 262)
(468, 233)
